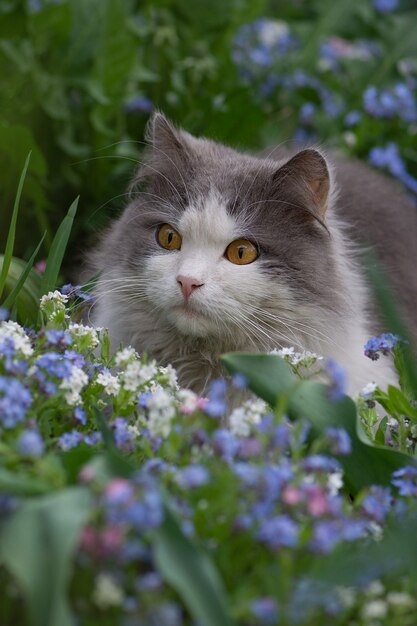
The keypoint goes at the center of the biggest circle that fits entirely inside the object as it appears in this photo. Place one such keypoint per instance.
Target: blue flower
(278, 532)
(352, 118)
(307, 112)
(225, 444)
(54, 364)
(148, 582)
(61, 338)
(239, 381)
(30, 443)
(339, 440)
(248, 474)
(385, 6)
(405, 479)
(147, 512)
(139, 103)
(265, 610)
(320, 463)
(69, 440)
(193, 476)
(93, 439)
(15, 400)
(216, 405)
(377, 503)
(123, 437)
(80, 415)
(328, 533)
(76, 291)
(4, 314)
(337, 374)
(384, 344)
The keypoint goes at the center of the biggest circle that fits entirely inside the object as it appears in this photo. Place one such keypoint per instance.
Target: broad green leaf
(21, 484)
(37, 546)
(8, 253)
(191, 573)
(12, 297)
(268, 376)
(57, 251)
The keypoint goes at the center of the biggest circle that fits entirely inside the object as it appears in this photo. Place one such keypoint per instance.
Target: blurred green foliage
(80, 77)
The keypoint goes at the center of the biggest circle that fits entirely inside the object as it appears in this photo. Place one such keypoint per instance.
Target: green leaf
(191, 573)
(395, 554)
(21, 484)
(268, 376)
(27, 300)
(12, 230)
(57, 251)
(37, 546)
(400, 402)
(11, 298)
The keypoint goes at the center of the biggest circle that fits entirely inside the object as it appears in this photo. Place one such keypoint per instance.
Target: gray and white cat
(220, 251)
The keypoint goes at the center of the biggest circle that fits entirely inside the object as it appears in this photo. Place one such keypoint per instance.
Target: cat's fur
(305, 290)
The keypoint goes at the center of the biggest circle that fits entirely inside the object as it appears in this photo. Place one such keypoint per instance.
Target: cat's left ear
(307, 174)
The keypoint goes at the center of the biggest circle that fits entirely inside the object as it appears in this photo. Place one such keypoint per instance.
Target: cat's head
(222, 242)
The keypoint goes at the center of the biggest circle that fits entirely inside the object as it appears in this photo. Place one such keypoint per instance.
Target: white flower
(305, 358)
(170, 374)
(125, 356)
(368, 389)
(374, 609)
(189, 401)
(272, 32)
(107, 592)
(14, 331)
(110, 383)
(53, 303)
(73, 385)
(242, 418)
(56, 297)
(334, 483)
(161, 411)
(376, 588)
(86, 335)
(401, 599)
(136, 374)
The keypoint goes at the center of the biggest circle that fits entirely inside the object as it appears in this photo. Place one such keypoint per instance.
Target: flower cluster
(228, 468)
(383, 344)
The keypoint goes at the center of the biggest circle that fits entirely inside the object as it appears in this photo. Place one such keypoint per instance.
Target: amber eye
(241, 252)
(168, 237)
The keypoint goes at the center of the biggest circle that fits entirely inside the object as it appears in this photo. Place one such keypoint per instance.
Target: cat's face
(222, 242)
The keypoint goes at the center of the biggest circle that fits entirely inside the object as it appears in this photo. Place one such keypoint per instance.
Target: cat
(222, 251)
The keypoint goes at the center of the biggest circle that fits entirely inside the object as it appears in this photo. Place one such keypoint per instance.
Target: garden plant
(125, 499)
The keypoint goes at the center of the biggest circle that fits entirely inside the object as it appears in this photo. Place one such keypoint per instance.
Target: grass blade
(8, 253)
(57, 251)
(11, 298)
(386, 301)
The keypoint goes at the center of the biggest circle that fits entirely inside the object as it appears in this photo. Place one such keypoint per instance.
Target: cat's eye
(168, 237)
(241, 252)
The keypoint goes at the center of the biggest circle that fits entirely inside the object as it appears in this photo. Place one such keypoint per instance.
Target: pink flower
(291, 495)
(40, 266)
(316, 500)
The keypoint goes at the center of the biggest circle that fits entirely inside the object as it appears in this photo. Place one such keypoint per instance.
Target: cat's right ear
(162, 135)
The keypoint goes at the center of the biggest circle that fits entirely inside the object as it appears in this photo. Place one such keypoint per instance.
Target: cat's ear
(165, 138)
(306, 175)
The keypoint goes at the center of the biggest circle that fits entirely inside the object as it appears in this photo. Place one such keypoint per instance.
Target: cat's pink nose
(188, 284)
